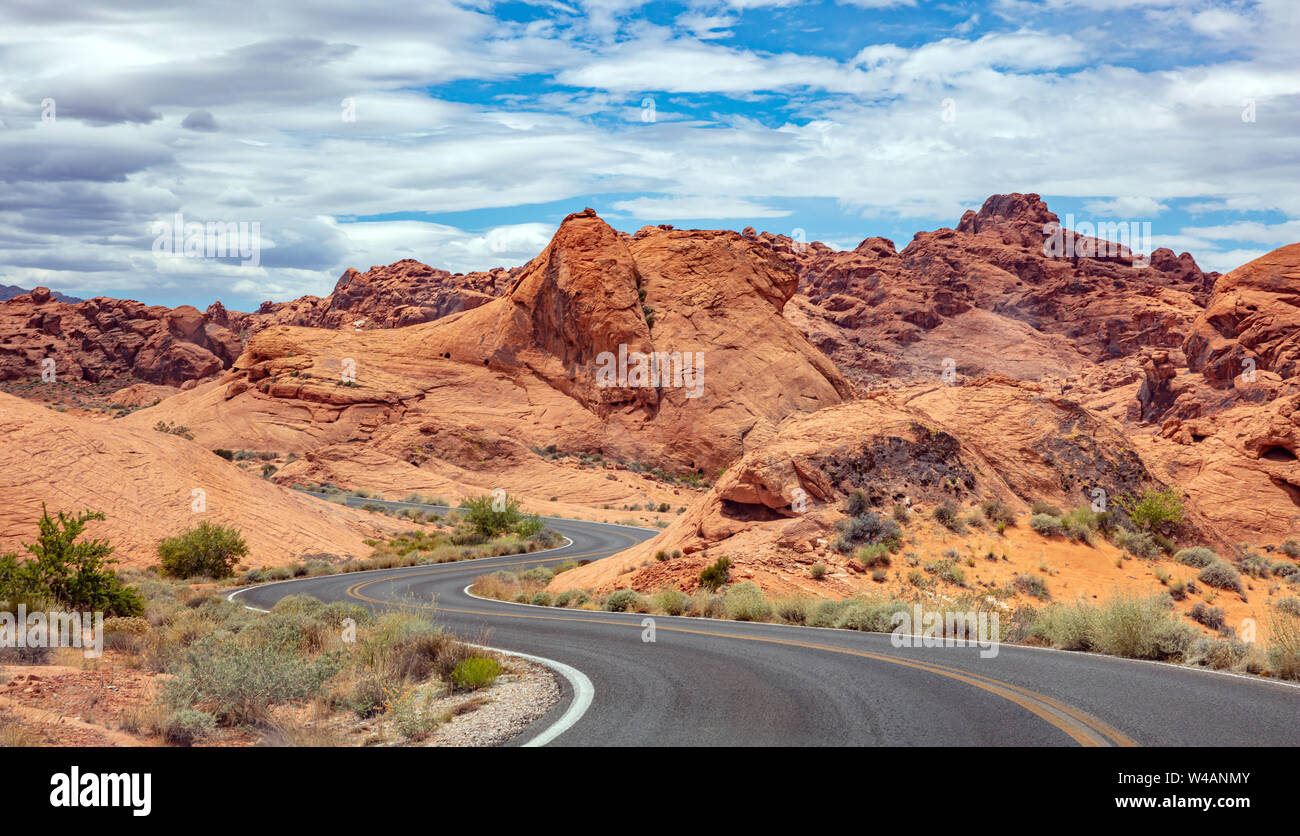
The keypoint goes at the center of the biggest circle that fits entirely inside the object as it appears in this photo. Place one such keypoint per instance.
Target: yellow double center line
(1083, 728)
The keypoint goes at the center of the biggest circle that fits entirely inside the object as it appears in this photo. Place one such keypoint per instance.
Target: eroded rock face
(1252, 321)
(987, 296)
(919, 446)
(406, 292)
(525, 369)
(104, 338)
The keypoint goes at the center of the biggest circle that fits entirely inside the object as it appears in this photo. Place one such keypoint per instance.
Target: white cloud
(709, 207)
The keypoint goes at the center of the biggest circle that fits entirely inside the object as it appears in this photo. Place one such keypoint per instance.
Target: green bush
(868, 615)
(488, 522)
(1132, 627)
(187, 726)
(206, 550)
(1256, 565)
(856, 503)
(1047, 525)
(1221, 575)
(1046, 508)
(541, 598)
(624, 600)
(873, 556)
(817, 571)
(1290, 606)
(475, 673)
(1291, 547)
(746, 602)
(715, 575)
(75, 574)
(1154, 510)
(1197, 556)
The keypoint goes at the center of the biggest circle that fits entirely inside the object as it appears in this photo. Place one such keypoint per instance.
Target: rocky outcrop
(881, 313)
(104, 338)
(552, 361)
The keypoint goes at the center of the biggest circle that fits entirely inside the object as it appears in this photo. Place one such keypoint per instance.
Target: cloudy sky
(460, 133)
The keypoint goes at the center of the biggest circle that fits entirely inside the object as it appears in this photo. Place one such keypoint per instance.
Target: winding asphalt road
(705, 682)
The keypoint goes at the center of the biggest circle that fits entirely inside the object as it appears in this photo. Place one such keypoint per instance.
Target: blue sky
(477, 126)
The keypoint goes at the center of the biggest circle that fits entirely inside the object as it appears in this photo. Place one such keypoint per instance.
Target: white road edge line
(583, 693)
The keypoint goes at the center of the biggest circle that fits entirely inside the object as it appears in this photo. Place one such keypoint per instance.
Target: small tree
(479, 512)
(207, 549)
(1155, 510)
(76, 574)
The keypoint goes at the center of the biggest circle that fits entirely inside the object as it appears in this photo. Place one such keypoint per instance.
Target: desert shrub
(671, 601)
(238, 683)
(1133, 627)
(713, 576)
(1197, 556)
(1177, 589)
(541, 598)
(947, 570)
(1290, 606)
(206, 550)
(995, 512)
(1080, 524)
(817, 571)
(1033, 585)
(946, 515)
(827, 613)
(479, 512)
(1220, 575)
(228, 455)
(412, 714)
(75, 574)
(794, 609)
(623, 600)
(1137, 543)
(572, 598)
(1285, 569)
(475, 673)
(1212, 617)
(856, 503)
(880, 575)
(874, 555)
(866, 528)
(746, 602)
(1154, 510)
(1291, 547)
(1284, 645)
(1047, 525)
(869, 615)
(901, 515)
(1256, 565)
(1142, 628)
(186, 726)
(1045, 508)
(1069, 627)
(661, 555)
(1218, 653)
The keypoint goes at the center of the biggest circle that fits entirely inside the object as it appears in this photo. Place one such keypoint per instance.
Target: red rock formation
(879, 312)
(104, 338)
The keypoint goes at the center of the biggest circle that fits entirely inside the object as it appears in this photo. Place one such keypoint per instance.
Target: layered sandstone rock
(148, 484)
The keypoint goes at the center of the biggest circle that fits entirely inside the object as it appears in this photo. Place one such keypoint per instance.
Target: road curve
(705, 682)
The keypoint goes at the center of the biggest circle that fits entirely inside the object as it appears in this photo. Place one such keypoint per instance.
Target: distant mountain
(9, 291)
